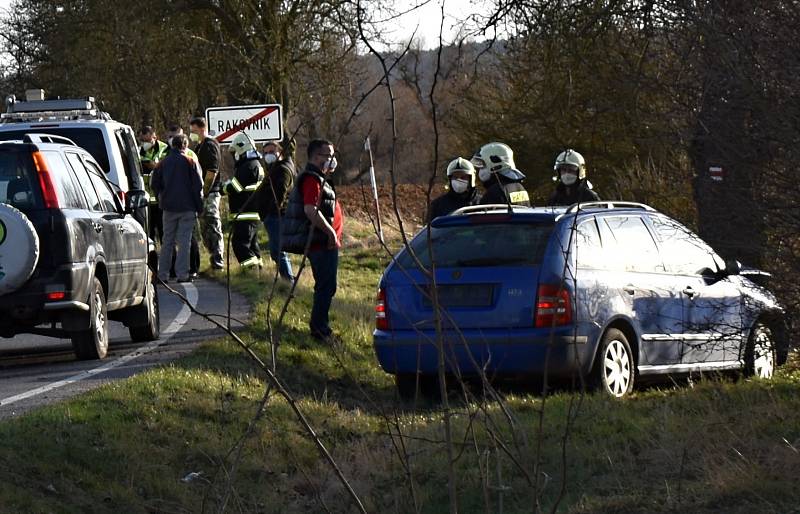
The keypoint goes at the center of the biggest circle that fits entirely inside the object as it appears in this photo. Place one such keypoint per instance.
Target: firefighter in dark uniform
(151, 152)
(573, 186)
(247, 177)
(499, 176)
(461, 190)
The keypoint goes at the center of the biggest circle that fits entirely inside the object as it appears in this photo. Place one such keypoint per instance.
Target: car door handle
(688, 291)
(629, 289)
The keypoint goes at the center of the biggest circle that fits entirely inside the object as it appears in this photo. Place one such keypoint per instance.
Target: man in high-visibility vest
(151, 152)
(246, 180)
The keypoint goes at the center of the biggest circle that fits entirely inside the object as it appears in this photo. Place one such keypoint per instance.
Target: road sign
(260, 122)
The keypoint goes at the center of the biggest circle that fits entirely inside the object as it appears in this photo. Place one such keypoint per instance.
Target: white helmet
(570, 157)
(240, 145)
(463, 165)
(496, 158)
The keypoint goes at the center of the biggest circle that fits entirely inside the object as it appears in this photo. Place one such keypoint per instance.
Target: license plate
(463, 295)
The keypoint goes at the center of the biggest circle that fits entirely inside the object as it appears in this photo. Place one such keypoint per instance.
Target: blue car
(612, 291)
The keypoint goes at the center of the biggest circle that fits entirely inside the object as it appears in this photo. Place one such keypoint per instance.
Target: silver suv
(111, 143)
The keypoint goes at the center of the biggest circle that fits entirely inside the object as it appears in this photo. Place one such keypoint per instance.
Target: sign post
(368, 148)
(261, 122)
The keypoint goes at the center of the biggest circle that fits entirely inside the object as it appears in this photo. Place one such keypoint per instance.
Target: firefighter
(461, 190)
(499, 176)
(151, 152)
(246, 180)
(573, 186)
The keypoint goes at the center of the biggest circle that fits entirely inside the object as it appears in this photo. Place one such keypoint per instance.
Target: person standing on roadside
(178, 184)
(208, 154)
(247, 177)
(314, 213)
(194, 251)
(461, 191)
(272, 196)
(151, 152)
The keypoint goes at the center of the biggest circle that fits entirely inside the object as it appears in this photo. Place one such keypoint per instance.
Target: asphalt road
(37, 370)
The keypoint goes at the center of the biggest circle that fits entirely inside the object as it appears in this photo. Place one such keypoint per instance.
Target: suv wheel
(148, 310)
(92, 343)
(19, 245)
(759, 354)
(615, 369)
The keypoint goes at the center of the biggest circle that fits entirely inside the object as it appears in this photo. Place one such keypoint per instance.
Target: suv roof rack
(609, 205)
(47, 138)
(55, 110)
(472, 209)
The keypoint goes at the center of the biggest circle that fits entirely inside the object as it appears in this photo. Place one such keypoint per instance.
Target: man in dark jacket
(247, 177)
(461, 191)
(314, 213)
(573, 186)
(499, 176)
(272, 196)
(208, 154)
(178, 184)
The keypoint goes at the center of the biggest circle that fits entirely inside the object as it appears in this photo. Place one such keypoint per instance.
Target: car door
(712, 303)
(639, 278)
(104, 215)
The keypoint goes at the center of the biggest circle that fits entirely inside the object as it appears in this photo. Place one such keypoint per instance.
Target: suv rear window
(89, 138)
(484, 245)
(19, 184)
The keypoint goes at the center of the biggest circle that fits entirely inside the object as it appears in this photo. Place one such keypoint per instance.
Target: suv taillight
(553, 306)
(381, 311)
(49, 195)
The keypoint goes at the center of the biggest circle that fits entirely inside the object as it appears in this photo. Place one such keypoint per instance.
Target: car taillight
(381, 311)
(121, 195)
(56, 295)
(553, 306)
(49, 195)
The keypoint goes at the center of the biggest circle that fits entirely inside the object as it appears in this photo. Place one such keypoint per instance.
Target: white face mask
(194, 138)
(269, 158)
(459, 185)
(484, 174)
(330, 164)
(568, 178)
(147, 146)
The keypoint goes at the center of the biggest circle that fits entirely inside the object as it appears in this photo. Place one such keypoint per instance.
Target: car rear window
(19, 184)
(90, 139)
(484, 245)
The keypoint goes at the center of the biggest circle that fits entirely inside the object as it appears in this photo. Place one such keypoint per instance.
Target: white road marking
(173, 328)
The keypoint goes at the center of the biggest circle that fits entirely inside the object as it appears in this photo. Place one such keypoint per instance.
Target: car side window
(683, 252)
(85, 182)
(104, 192)
(631, 246)
(587, 247)
(68, 188)
(133, 166)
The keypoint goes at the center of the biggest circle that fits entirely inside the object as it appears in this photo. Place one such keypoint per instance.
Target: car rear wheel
(759, 355)
(92, 343)
(615, 369)
(149, 311)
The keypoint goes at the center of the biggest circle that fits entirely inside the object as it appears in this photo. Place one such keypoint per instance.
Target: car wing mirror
(733, 267)
(135, 199)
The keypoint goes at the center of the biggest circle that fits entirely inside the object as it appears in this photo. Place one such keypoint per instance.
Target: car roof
(517, 213)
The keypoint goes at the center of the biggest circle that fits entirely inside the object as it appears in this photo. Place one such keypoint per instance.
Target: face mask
(459, 185)
(194, 138)
(330, 164)
(484, 174)
(269, 158)
(568, 178)
(147, 146)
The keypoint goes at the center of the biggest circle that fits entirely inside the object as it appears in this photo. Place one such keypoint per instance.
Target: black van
(71, 255)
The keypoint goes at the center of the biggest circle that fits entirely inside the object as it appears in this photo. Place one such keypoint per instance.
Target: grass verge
(163, 441)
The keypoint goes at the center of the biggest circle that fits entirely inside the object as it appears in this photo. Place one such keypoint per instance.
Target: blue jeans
(324, 267)
(273, 226)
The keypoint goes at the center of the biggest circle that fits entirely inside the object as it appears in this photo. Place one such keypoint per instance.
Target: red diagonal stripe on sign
(246, 123)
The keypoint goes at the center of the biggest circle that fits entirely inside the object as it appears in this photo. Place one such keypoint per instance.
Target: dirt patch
(357, 202)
